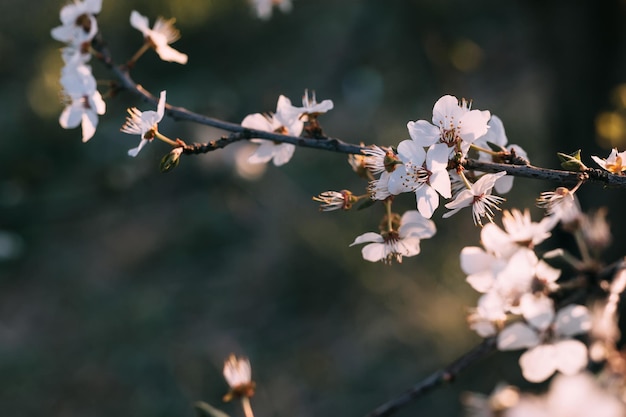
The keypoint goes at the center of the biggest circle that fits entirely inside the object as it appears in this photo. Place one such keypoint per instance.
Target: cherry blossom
(263, 8)
(561, 203)
(160, 36)
(550, 345)
(84, 101)
(479, 197)
(144, 124)
(453, 124)
(394, 244)
(335, 200)
(238, 375)
(424, 173)
(78, 24)
(613, 163)
(497, 136)
(285, 121)
(577, 395)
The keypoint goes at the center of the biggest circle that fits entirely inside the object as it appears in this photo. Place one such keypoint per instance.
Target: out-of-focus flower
(78, 24)
(238, 375)
(550, 345)
(570, 396)
(85, 102)
(596, 229)
(285, 121)
(453, 124)
(502, 398)
(144, 124)
(479, 197)
(497, 136)
(263, 8)
(561, 203)
(160, 36)
(401, 241)
(613, 163)
(310, 106)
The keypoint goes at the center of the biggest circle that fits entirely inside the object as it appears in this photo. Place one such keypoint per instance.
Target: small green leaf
(171, 160)
(205, 409)
(495, 147)
(572, 161)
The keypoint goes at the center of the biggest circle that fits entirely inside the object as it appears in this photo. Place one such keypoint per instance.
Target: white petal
(413, 224)
(537, 310)
(440, 181)
(423, 133)
(89, 124)
(169, 54)
(427, 201)
(517, 336)
(263, 153)
(374, 252)
(71, 117)
(437, 158)
(135, 151)
(139, 22)
(475, 259)
(446, 107)
(497, 241)
(368, 237)
(161, 106)
(503, 185)
(410, 151)
(572, 320)
(473, 125)
(257, 121)
(409, 246)
(570, 356)
(398, 182)
(539, 363)
(283, 153)
(463, 199)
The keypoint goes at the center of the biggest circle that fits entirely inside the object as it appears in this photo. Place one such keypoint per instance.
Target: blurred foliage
(123, 289)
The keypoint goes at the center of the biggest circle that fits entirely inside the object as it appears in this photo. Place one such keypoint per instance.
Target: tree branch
(239, 133)
(436, 379)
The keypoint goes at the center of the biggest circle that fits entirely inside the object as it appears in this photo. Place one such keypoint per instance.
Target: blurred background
(122, 290)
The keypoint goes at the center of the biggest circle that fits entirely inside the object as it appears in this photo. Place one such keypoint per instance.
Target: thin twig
(436, 379)
(328, 143)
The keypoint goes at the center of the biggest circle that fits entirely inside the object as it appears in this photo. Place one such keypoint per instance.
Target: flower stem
(247, 408)
(389, 217)
(487, 151)
(165, 139)
(465, 180)
(138, 54)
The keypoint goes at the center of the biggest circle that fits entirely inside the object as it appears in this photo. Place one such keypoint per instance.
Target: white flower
(379, 159)
(497, 136)
(285, 121)
(577, 395)
(454, 124)
(263, 8)
(479, 197)
(160, 36)
(335, 200)
(425, 173)
(549, 340)
(85, 102)
(393, 245)
(613, 163)
(561, 203)
(79, 26)
(311, 106)
(238, 375)
(144, 124)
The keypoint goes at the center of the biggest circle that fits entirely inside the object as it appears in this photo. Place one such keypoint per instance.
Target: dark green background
(127, 288)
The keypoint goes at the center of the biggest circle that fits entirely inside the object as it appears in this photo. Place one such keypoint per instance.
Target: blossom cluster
(84, 103)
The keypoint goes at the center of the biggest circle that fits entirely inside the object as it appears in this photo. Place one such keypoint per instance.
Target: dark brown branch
(331, 144)
(436, 379)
